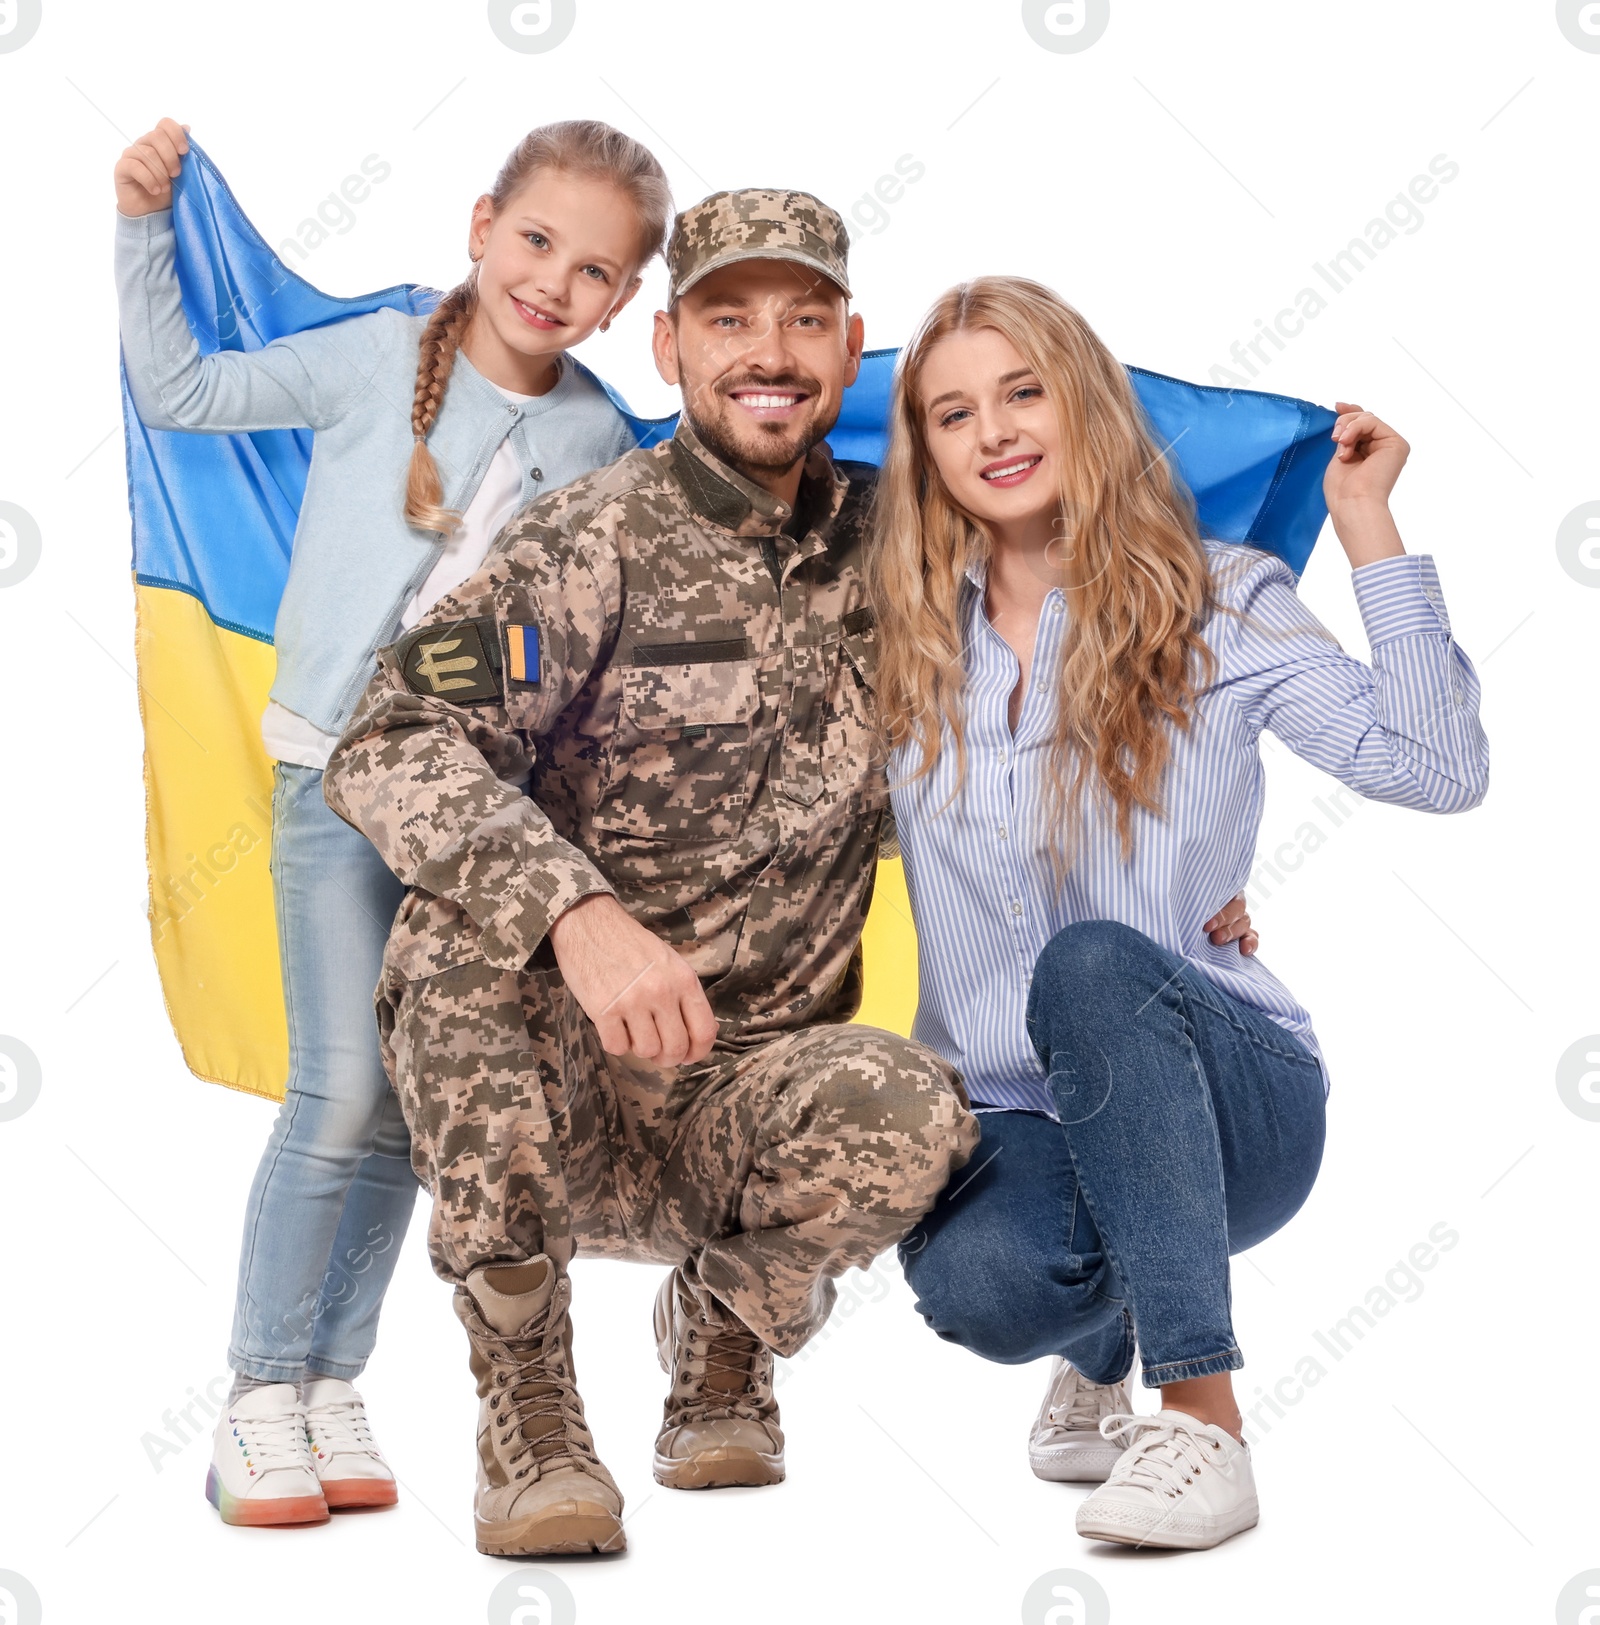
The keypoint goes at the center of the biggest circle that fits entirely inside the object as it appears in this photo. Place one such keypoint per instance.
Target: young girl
(1073, 685)
(430, 434)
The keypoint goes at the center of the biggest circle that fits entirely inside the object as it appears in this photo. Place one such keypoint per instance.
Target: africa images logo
(20, 1078)
(1578, 544)
(1579, 20)
(1579, 1602)
(1065, 25)
(20, 542)
(532, 25)
(532, 1597)
(19, 1602)
(1578, 1084)
(1066, 1597)
(19, 22)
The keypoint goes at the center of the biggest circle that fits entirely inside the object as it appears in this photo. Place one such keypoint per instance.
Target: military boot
(720, 1421)
(541, 1488)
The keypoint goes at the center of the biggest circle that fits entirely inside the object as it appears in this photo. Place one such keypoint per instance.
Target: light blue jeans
(334, 1192)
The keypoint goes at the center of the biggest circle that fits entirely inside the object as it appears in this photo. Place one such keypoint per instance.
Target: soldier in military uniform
(628, 770)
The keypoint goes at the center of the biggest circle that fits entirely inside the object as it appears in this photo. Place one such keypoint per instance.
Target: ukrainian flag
(213, 528)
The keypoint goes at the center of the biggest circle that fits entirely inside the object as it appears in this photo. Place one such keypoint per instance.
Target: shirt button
(1016, 908)
(1002, 832)
(1431, 592)
(537, 473)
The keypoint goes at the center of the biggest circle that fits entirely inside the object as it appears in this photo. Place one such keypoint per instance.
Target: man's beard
(769, 449)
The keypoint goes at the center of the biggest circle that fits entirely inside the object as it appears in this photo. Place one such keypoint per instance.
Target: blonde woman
(1073, 684)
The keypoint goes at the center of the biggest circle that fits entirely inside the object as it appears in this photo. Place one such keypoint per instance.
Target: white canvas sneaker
(1180, 1482)
(1066, 1446)
(261, 1470)
(348, 1463)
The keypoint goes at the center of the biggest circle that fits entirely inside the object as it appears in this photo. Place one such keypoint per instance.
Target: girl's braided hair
(584, 147)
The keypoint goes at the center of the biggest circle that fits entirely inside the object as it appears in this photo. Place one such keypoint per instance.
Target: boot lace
(731, 1350)
(535, 1403)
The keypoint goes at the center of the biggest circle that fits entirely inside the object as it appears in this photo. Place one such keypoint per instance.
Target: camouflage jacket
(649, 688)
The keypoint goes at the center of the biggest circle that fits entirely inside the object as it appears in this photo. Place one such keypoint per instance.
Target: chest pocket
(861, 650)
(853, 759)
(679, 767)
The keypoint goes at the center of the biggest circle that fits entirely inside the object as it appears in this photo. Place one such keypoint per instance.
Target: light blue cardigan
(356, 562)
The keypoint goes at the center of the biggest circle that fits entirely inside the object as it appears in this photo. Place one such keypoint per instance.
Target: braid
(582, 147)
(436, 357)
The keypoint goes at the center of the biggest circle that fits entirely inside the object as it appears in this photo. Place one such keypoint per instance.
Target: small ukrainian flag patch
(522, 654)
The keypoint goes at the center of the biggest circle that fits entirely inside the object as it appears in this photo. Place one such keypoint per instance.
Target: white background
(1176, 181)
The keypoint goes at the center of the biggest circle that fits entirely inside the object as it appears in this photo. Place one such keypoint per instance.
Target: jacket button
(537, 473)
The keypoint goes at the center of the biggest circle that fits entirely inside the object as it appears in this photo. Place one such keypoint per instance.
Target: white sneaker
(261, 1470)
(348, 1463)
(1066, 1446)
(1180, 1483)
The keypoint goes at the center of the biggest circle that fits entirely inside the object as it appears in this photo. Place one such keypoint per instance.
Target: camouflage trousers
(773, 1166)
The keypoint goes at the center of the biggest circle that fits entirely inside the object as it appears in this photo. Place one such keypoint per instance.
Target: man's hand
(146, 171)
(1233, 925)
(642, 998)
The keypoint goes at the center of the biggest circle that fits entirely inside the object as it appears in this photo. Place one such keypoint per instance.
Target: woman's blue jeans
(1191, 1128)
(334, 1191)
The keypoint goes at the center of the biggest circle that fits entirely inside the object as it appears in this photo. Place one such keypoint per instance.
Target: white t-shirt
(290, 737)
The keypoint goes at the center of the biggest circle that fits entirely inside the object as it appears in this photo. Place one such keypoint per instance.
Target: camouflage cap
(755, 223)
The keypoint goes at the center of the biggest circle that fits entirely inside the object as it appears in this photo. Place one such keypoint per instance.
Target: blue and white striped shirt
(1404, 729)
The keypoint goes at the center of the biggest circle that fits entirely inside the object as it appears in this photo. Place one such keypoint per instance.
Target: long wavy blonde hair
(1138, 586)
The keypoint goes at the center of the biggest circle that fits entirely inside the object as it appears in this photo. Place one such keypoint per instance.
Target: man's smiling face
(763, 351)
